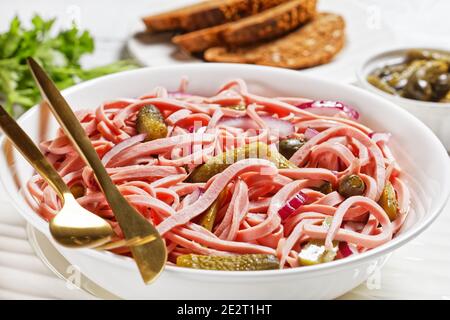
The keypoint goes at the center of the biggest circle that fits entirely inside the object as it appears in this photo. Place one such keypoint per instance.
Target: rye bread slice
(266, 25)
(206, 14)
(315, 43)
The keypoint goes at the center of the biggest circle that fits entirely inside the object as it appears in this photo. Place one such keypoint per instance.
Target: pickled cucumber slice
(238, 107)
(245, 262)
(314, 252)
(150, 121)
(388, 201)
(327, 222)
(220, 162)
(209, 217)
(77, 190)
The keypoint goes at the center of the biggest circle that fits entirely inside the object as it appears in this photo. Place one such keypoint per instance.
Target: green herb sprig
(59, 54)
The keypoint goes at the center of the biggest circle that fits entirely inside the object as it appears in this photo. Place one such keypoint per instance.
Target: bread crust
(269, 24)
(314, 44)
(206, 14)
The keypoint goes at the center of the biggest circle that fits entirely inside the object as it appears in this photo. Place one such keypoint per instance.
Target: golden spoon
(73, 226)
(150, 253)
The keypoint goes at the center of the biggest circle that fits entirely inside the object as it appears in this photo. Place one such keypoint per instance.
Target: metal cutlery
(149, 250)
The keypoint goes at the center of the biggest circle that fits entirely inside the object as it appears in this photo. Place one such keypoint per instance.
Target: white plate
(364, 28)
(50, 256)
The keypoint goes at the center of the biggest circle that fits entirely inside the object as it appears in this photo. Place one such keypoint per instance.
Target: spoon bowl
(73, 226)
(77, 227)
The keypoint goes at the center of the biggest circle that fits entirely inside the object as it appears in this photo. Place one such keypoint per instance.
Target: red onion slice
(179, 94)
(244, 123)
(329, 108)
(284, 127)
(345, 249)
(293, 204)
(285, 211)
(310, 133)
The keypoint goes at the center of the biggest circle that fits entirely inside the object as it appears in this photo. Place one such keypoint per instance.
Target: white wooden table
(418, 270)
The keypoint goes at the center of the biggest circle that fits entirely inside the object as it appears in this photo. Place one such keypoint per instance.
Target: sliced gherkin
(220, 162)
(314, 252)
(150, 121)
(327, 222)
(209, 217)
(388, 201)
(245, 262)
(238, 107)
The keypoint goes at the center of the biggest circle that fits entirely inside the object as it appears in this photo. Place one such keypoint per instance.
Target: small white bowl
(435, 115)
(417, 149)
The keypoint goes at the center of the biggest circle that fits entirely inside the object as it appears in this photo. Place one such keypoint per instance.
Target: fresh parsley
(59, 54)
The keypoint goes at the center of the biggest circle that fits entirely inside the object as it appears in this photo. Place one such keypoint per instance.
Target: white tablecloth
(420, 269)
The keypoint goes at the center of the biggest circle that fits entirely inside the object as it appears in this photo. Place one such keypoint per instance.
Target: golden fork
(90, 232)
(149, 251)
(73, 226)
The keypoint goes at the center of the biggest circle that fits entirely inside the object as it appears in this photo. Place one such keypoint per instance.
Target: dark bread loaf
(313, 44)
(266, 25)
(206, 14)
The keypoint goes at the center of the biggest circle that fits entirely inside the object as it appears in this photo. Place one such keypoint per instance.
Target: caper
(388, 201)
(380, 84)
(419, 85)
(416, 54)
(411, 69)
(423, 75)
(441, 86)
(150, 121)
(77, 190)
(288, 147)
(326, 187)
(351, 185)
(418, 89)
